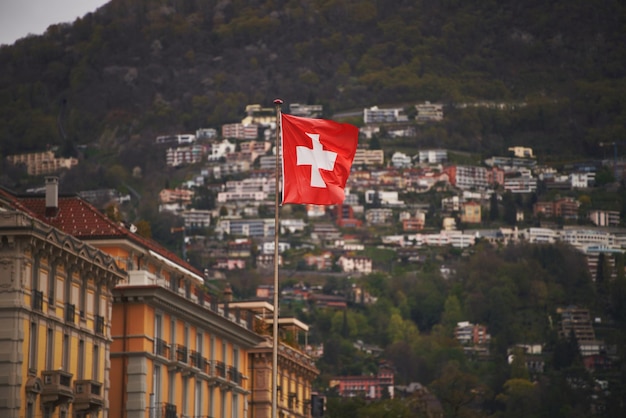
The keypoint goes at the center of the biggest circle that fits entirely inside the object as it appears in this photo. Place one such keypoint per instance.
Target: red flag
(317, 155)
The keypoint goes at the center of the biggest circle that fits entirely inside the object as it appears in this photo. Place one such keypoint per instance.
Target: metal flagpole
(277, 103)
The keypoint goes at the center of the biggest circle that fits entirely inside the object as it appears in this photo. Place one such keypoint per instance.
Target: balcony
(37, 300)
(70, 313)
(235, 375)
(161, 348)
(99, 325)
(197, 360)
(88, 395)
(181, 354)
(57, 387)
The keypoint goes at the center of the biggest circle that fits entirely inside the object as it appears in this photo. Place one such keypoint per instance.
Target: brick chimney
(52, 196)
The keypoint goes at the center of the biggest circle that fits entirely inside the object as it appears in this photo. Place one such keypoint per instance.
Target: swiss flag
(317, 155)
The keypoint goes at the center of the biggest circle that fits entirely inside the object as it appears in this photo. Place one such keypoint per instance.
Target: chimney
(52, 197)
(228, 293)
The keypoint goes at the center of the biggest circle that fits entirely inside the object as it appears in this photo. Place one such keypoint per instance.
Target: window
(96, 362)
(51, 279)
(185, 396)
(66, 353)
(156, 385)
(235, 411)
(50, 349)
(81, 359)
(32, 350)
(82, 297)
(198, 406)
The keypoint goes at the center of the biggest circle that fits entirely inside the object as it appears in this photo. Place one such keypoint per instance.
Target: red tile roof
(82, 220)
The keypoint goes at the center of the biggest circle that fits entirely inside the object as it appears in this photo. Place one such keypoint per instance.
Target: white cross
(317, 158)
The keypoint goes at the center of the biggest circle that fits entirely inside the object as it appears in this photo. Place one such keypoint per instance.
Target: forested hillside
(136, 68)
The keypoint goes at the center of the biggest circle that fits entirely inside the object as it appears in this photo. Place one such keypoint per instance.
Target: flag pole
(278, 104)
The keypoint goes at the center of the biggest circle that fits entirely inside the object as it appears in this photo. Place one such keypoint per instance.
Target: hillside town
(138, 313)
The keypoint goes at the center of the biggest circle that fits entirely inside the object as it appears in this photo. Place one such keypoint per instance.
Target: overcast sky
(19, 18)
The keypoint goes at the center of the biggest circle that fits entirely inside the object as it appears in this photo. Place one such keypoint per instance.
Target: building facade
(55, 299)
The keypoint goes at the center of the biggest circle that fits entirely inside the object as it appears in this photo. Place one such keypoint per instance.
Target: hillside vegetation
(137, 68)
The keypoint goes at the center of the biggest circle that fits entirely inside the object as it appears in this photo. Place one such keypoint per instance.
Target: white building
(582, 180)
(197, 218)
(524, 183)
(429, 112)
(355, 264)
(433, 156)
(541, 235)
(220, 150)
(175, 157)
(401, 160)
(604, 217)
(386, 198)
(376, 115)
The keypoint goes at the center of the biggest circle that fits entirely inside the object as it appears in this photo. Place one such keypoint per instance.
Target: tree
(458, 391)
(520, 399)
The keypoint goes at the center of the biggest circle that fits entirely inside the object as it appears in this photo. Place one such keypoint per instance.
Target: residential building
(521, 152)
(321, 262)
(41, 163)
(175, 351)
(366, 386)
(196, 218)
(206, 133)
(414, 223)
(520, 183)
(433, 156)
(467, 177)
(429, 112)
(180, 139)
(401, 160)
(540, 235)
(307, 111)
(567, 208)
(296, 370)
(240, 131)
(56, 302)
(471, 213)
(175, 200)
(577, 321)
(379, 216)
(220, 150)
(253, 228)
(390, 115)
(385, 198)
(467, 333)
(258, 115)
(367, 157)
(604, 217)
(175, 157)
(582, 179)
(355, 264)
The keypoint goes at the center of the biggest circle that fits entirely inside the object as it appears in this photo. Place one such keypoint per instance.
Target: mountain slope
(138, 67)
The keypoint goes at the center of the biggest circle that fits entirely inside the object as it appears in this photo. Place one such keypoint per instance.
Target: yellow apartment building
(55, 304)
(176, 351)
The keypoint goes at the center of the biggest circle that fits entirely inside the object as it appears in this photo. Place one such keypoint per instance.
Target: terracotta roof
(84, 221)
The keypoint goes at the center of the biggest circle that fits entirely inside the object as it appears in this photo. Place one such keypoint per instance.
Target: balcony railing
(235, 375)
(99, 325)
(181, 353)
(70, 313)
(57, 387)
(37, 300)
(197, 360)
(161, 348)
(220, 369)
(88, 395)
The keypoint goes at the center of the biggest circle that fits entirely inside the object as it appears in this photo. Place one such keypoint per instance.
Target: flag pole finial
(278, 102)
